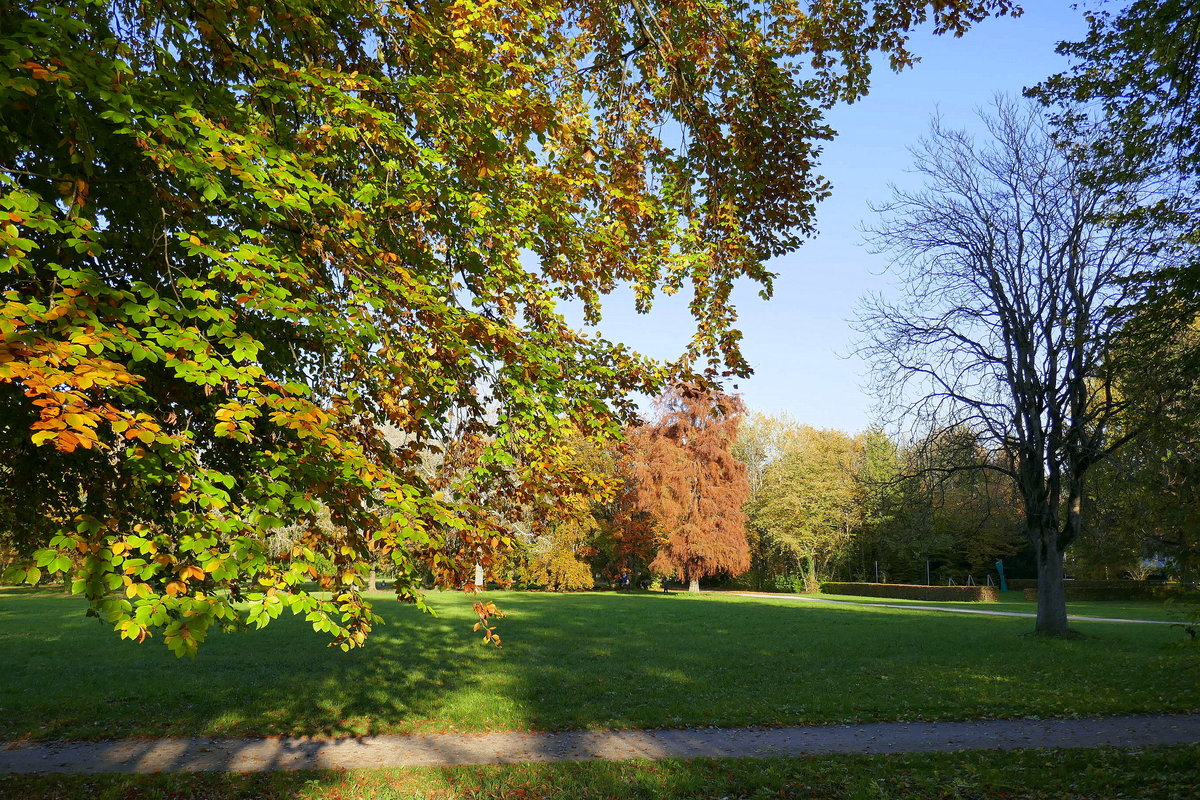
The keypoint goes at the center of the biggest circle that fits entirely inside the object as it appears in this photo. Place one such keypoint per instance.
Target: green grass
(1167, 773)
(579, 661)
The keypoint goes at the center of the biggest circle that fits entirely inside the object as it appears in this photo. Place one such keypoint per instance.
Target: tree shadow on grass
(70, 678)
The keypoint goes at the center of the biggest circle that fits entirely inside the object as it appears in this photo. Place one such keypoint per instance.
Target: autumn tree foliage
(811, 502)
(564, 545)
(690, 484)
(951, 509)
(558, 557)
(830, 505)
(630, 541)
(237, 240)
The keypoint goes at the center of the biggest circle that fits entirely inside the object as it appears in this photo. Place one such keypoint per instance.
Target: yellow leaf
(41, 437)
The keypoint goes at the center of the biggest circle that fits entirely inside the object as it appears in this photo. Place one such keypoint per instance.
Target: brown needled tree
(693, 487)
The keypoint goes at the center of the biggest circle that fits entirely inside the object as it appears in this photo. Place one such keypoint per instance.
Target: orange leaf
(191, 572)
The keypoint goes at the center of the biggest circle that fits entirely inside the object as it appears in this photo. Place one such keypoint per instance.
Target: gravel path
(983, 611)
(258, 755)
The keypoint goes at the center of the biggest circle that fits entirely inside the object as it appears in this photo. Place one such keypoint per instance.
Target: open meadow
(603, 661)
(596, 660)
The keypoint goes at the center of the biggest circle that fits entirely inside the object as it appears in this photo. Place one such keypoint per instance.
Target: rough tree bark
(1052, 595)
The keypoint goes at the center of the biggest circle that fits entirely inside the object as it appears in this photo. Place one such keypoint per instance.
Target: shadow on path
(262, 755)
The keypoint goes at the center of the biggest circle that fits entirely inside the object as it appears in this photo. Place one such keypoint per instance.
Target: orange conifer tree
(691, 484)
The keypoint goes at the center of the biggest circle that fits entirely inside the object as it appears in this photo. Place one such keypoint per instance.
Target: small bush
(904, 591)
(788, 584)
(753, 580)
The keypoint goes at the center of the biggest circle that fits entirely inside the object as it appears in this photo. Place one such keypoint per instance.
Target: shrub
(904, 591)
(788, 584)
(752, 580)
(559, 570)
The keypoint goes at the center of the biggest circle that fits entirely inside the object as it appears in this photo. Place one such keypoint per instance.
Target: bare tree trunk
(371, 587)
(1051, 594)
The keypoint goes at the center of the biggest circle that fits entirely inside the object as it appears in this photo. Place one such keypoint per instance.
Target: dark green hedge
(1121, 590)
(904, 591)
(1021, 584)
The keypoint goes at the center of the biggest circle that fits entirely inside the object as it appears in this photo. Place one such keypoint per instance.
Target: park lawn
(595, 660)
(1162, 773)
(1014, 601)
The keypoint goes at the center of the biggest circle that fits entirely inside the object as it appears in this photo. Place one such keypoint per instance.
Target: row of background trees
(788, 506)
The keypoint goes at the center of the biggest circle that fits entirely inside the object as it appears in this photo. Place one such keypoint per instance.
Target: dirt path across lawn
(982, 611)
(259, 755)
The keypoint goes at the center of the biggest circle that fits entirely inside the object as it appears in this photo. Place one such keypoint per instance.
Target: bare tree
(1014, 297)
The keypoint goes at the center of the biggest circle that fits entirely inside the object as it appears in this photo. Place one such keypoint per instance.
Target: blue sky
(799, 342)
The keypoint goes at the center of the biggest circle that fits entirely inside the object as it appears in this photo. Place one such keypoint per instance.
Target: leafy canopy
(1135, 75)
(812, 501)
(689, 483)
(236, 240)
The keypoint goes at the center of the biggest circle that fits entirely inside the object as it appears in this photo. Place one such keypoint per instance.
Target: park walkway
(443, 749)
(985, 612)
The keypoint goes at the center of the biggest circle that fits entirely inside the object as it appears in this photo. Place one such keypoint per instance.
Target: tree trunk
(1051, 594)
(371, 581)
(694, 585)
(810, 576)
